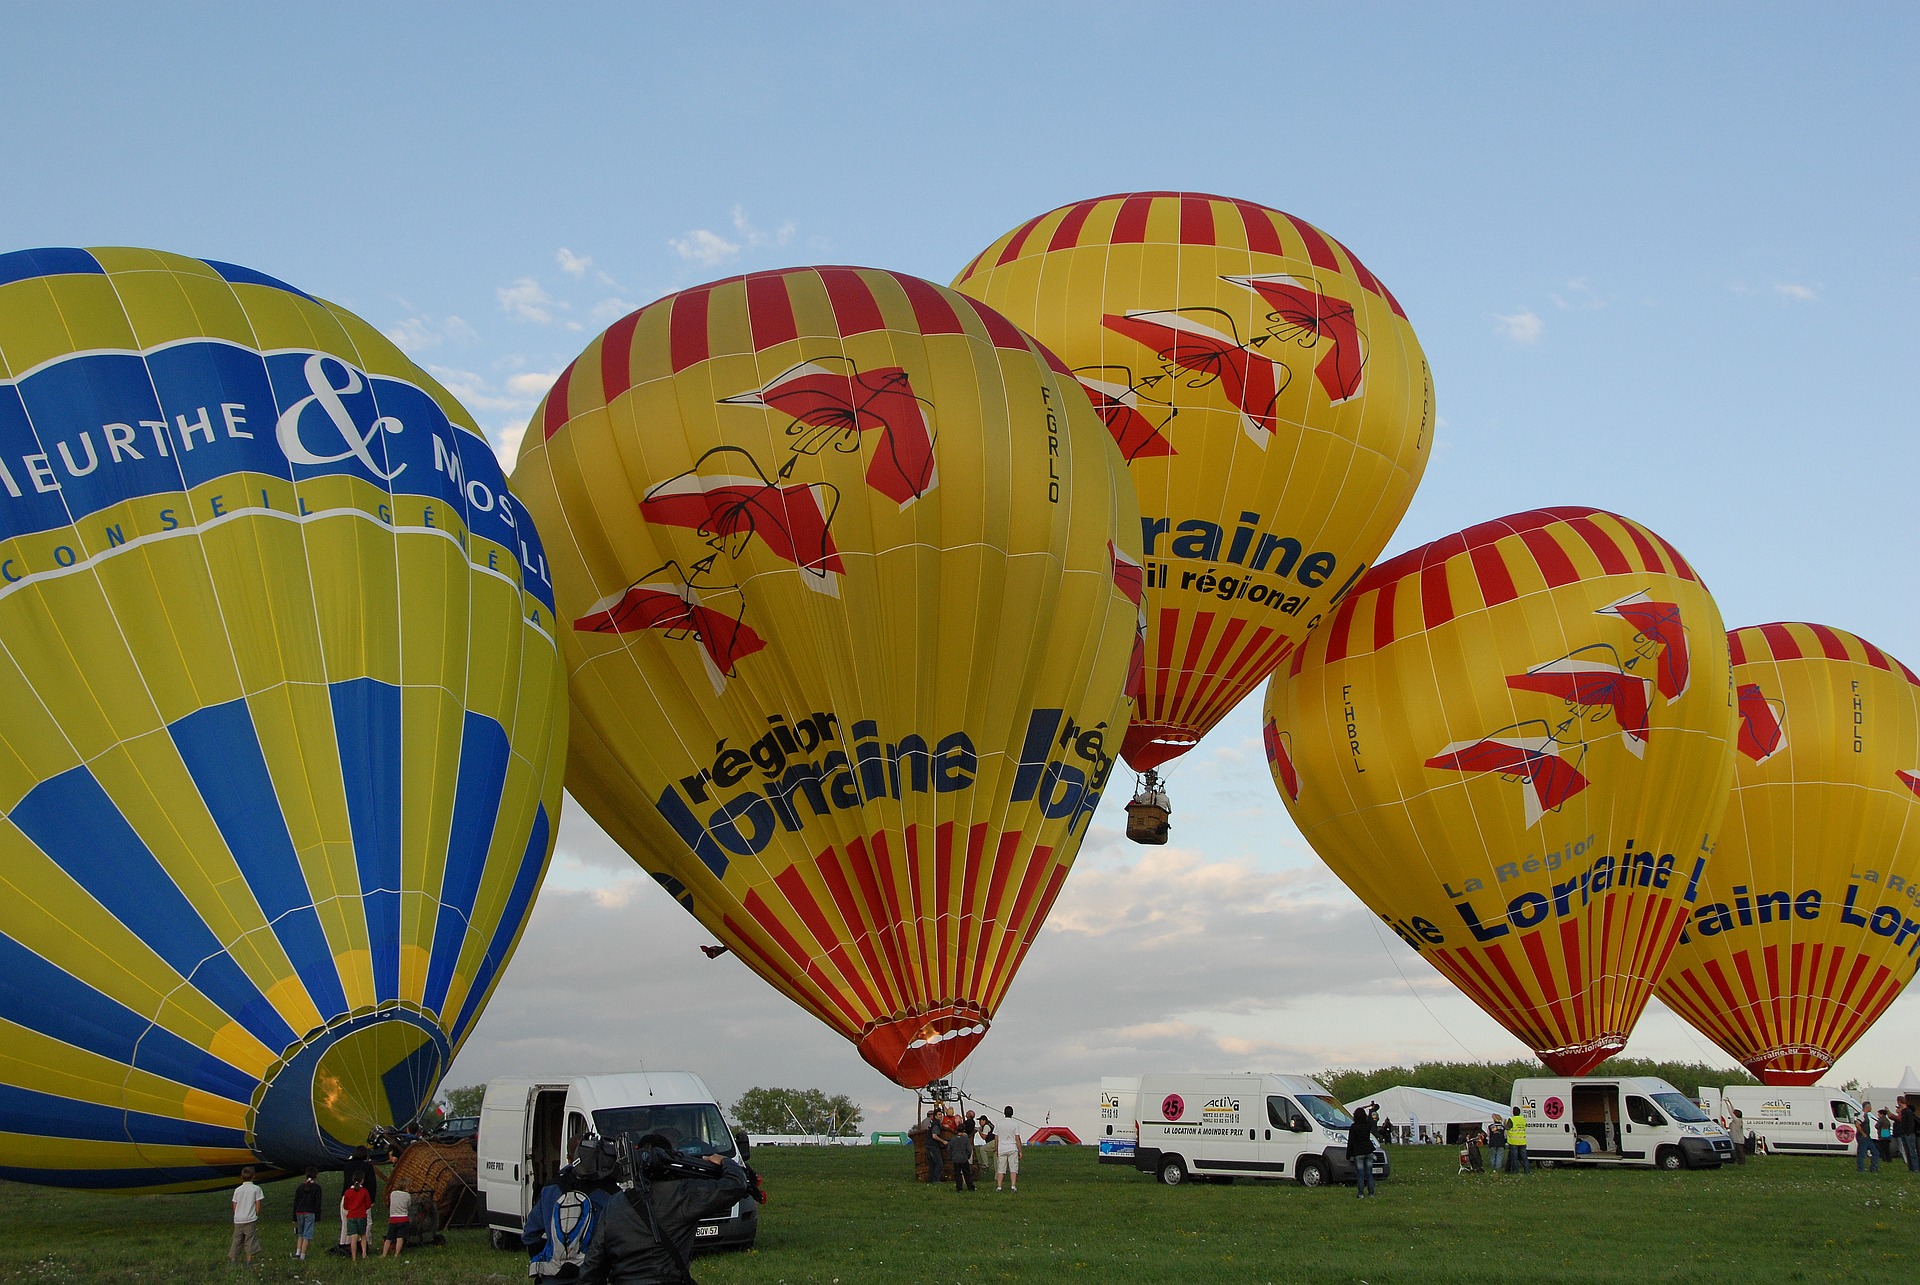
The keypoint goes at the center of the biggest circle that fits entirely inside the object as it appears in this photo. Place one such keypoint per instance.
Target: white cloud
(526, 300)
(1522, 327)
(418, 332)
(708, 249)
(574, 265)
(532, 384)
(610, 309)
(1798, 293)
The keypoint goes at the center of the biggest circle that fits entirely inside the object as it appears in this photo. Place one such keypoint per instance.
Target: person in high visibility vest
(1517, 1142)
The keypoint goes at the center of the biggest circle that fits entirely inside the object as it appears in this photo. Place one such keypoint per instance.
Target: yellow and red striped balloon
(1514, 744)
(1273, 405)
(1808, 925)
(849, 584)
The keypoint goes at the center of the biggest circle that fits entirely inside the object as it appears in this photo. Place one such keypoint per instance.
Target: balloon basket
(1148, 811)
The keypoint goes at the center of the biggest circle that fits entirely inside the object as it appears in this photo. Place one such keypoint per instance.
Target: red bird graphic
(1251, 381)
(1762, 734)
(1586, 683)
(731, 509)
(1533, 760)
(1308, 318)
(1279, 759)
(1659, 623)
(1119, 407)
(662, 599)
(833, 403)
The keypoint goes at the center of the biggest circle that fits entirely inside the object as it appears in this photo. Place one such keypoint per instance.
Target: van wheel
(1313, 1173)
(1670, 1158)
(499, 1240)
(1173, 1171)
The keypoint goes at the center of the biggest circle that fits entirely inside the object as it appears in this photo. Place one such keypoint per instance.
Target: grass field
(848, 1215)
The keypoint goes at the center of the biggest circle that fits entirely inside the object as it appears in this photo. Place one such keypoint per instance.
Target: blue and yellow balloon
(281, 754)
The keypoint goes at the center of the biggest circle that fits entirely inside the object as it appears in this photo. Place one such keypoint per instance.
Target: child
(247, 1199)
(399, 1217)
(306, 1212)
(357, 1202)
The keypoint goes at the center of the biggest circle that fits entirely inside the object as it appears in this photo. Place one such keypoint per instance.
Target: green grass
(849, 1215)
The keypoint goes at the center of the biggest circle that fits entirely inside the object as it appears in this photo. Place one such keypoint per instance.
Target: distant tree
(797, 1111)
(1494, 1080)
(464, 1101)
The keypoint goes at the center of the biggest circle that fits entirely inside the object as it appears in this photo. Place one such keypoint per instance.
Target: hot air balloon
(848, 583)
(1514, 744)
(1273, 405)
(1808, 922)
(280, 758)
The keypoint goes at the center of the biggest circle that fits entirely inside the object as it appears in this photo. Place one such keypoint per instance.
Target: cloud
(609, 309)
(1798, 293)
(574, 265)
(418, 333)
(526, 300)
(1522, 327)
(710, 249)
(531, 384)
(1578, 294)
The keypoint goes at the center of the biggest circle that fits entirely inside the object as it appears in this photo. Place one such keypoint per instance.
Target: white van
(1623, 1120)
(1222, 1127)
(531, 1125)
(1795, 1120)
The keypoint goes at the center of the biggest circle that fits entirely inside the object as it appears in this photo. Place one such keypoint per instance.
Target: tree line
(1494, 1080)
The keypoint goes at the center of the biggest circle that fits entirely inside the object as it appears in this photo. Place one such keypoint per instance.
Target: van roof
(621, 1089)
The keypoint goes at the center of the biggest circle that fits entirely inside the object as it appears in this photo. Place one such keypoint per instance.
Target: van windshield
(1681, 1108)
(1326, 1110)
(695, 1128)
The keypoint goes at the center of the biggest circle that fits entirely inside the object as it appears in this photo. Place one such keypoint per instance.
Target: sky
(1663, 260)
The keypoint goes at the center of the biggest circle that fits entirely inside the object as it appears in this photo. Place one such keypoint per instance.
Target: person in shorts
(399, 1218)
(247, 1199)
(306, 1212)
(1006, 1147)
(356, 1204)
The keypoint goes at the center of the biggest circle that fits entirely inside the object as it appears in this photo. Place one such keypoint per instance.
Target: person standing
(960, 1158)
(1906, 1133)
(359, 1164)
(984, 1151)
(306, 1212)
(399, 1219)
(1883, 1135)
(247, 1199)
(1360, 1152)
(1497, 1146)
(1006, 1150)
(937, 1136)
(1863, 1143)
(1517, 1142)
(355, 1204)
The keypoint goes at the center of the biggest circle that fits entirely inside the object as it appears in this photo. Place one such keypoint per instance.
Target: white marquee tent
(1889, 1095)
(1407, 1107)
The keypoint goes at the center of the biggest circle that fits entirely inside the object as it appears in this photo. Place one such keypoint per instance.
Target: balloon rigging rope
(1415, 992)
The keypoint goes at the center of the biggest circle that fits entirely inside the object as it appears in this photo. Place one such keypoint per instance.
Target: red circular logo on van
(1173, 1108)
(1842, 1133)
(1554, 1108)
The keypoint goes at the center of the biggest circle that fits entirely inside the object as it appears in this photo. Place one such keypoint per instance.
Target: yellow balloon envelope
(1273, 405)
(1808, 924)
(1514, 744)
(280, 716)
(850, 584)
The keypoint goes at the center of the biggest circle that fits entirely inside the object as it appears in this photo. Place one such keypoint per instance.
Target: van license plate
(704, 1230)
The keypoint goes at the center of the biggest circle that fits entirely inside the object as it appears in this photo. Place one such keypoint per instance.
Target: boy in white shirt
(247, 1199)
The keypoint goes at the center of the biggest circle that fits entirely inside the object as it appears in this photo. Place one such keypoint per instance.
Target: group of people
(357, 1200)
(959, 1142)
(1881, 1133)
(1505, 1140)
